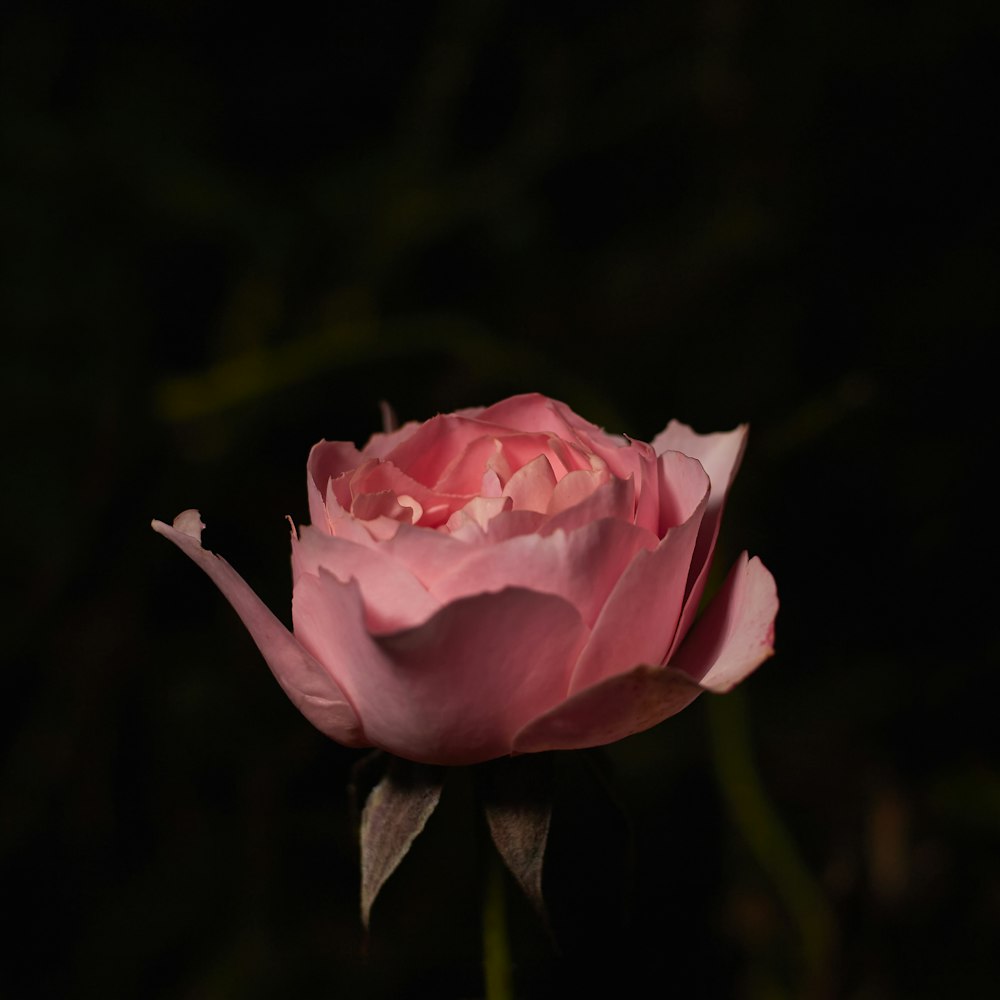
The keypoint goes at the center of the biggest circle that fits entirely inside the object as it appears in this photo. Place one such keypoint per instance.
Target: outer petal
(734, 637)
(720, 454)
(736, 633)
(318, 513)
(582, 566)
(312, 687)
(509, 523)
(610, 710)
(432, 555)
(640, 618)
(456, 689)
(428, 555)
(393, 598)
(684, 483)
(327, 460)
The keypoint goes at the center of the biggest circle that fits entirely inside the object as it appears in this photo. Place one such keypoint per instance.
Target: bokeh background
(227, 234)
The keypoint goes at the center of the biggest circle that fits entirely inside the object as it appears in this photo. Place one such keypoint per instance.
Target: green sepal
(516, 794)
(395, 811)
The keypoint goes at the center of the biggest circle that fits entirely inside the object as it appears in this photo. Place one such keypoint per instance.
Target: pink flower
(506, 580)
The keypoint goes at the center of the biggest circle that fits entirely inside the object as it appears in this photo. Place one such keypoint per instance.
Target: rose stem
(497, 971)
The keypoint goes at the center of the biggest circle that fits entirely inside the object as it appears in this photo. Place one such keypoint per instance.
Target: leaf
(517, 799)
(395, 812)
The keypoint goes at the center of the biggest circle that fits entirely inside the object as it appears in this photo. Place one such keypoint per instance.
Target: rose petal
(490, 485)
(337, 521)
(318, 512)
(720, 454)
(345, 525)
(571, 437)
(393, 598)
(683, 485)
(532, 412)
(610, 710)
(385, 476)
(472, 520)
(640, 618)
(456, 689)
(569, 455)
(521, 448)
(510, 523)
(382, 442)
(368, 506)
(574, 488)
(531, 486)
(582, 566)
(615, 498)
(464, 473)
(426, 455)
(311, 687)
(625, 458)
(427, 555)
(736, 633)
(329, 459)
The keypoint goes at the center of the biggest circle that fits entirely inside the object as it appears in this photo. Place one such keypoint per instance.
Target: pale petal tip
(188, 522)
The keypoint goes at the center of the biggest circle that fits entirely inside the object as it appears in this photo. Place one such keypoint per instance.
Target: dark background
(226, 235)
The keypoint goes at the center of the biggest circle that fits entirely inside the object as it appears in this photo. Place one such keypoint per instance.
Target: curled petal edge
(306, 682)
(728, 643)
(610, 710)
(736, 632)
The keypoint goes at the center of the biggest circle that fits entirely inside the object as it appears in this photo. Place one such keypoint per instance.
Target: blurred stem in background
(771, 843)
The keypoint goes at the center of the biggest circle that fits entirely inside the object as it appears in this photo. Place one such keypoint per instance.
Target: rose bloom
(506, 580)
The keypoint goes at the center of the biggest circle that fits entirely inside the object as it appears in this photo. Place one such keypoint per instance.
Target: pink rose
(506, 580)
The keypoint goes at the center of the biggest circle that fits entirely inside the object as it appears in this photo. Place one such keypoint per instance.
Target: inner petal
(393, 598)
(463, 474)
(522, 448)
(491, 485)
(368, 506)
(378, 477)
(574, 488)
(531, 486)
(479, 511)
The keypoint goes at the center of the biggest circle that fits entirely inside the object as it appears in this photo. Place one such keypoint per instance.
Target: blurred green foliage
(227, 235)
